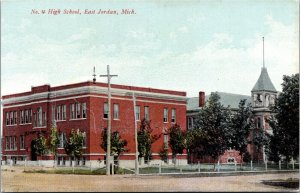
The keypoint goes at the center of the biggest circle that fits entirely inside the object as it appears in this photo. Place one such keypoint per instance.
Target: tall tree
(177, 140)
(145, 139)
(53, 141)
(260, 139)
(285, 124)
(240, 126)
(163, 153)
(211, 125)
(40, 144)
(74, 145)
(118, 145)
(196, 140)
(273, 147)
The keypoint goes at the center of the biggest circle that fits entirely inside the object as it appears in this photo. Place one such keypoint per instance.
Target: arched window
(258, 122)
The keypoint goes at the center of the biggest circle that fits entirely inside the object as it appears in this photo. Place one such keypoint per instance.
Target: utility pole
(135, 136)
(109, 76)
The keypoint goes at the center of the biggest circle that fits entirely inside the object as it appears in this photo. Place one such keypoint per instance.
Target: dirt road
(19, 181)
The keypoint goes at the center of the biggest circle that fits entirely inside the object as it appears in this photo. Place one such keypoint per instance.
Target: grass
(153, 169)
(100, 171)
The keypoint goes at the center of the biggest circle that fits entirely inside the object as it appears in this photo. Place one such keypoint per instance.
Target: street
(18, 181)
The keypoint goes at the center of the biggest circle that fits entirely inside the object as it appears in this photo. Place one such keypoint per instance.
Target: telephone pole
(109, 76)
(135, 136)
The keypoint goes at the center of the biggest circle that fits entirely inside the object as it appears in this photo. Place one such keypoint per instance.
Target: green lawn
(100, 171)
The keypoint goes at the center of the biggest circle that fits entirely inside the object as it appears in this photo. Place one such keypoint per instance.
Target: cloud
(83, 35)
(182, 30)
(221, 66)
(144, 58)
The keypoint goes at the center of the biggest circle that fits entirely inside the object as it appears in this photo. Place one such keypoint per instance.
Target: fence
(184, 169)
(217, 167)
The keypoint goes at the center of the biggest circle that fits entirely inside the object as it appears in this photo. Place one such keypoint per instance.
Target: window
(39, 116)
(58, 160)
(58, 112)
(63, 161)
(165, 115)
(30, 115)
(53, 112)
(258, 122)
(64, 112)
(105, 114)
(61, 140)
(22, 142)
(166, 141)
(7, 118)
(83, 110)
(34, 119)
(231, 160)
(190, 122)
(15, 117)
(26, 116)
(116, 111)
(7, 143)
(11, 117)
(10, 142)
(21, 117)
(173, 116)
(72, 111)
(137, 112)
(84, 140)
(146, 110)
(15, 142)
(77, 110)
(83, 161)
(44, 119)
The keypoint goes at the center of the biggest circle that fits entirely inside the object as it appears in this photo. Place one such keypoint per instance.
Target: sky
(191, 46)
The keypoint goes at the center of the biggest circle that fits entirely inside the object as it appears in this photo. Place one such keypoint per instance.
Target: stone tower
(263, 95)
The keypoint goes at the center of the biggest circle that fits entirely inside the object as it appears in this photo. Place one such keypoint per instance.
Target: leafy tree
(285, 123)
(53, 140)
(196, 139)
(260, 139)
(73, 146)
(145, 139)
(163, 153)
(240, 126)
(211, 125)
(40, 144)
(246, 157)
(177, 140)
(274, 144)
(118, 145)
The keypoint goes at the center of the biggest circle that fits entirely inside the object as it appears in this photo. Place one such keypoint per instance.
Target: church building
(262, 96)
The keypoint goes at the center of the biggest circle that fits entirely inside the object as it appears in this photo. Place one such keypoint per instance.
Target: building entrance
(33, 151)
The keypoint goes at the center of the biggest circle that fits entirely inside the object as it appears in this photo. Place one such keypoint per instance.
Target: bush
(246, 157)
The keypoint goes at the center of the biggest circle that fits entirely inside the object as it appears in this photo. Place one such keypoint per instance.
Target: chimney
(201, 99)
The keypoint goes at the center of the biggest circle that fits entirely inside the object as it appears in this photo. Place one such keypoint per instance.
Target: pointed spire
(264, 82)
(94, 75)
(263, 52)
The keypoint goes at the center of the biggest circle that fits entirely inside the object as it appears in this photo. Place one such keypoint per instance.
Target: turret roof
(264, 82)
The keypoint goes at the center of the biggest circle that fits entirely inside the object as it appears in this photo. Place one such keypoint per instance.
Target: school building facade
(84, 106)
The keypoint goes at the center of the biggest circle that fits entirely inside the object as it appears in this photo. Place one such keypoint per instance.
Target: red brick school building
(84, 106)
